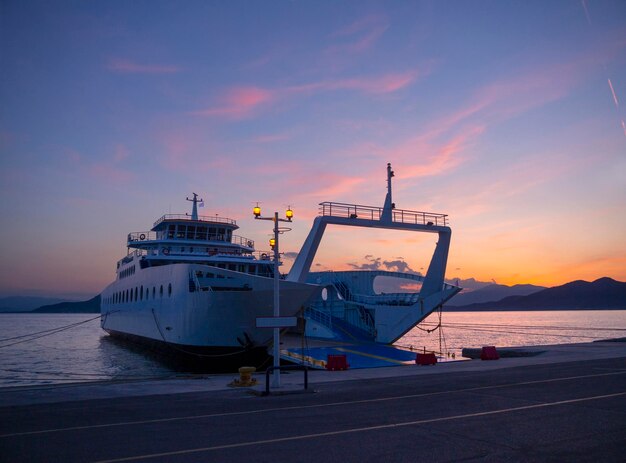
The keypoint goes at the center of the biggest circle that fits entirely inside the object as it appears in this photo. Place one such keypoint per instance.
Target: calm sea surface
(72, 347)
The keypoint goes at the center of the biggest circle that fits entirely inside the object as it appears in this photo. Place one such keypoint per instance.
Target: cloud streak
(238, 102)
(126, 66)
(360, 35)
(242, 102)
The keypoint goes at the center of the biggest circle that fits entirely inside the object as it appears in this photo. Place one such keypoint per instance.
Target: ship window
(198, 273)
(251, 269)
(232, 267)
(191, 231)
(212, 233)
(136, 295)
(161, 291)
(141, 297)
(220, 234)
(201, 233)
(153, 292)
(169, 289)
(241, 268)
(190, 249)
(210, 275)
(181, 231)
(182, 249)
(170, 231)
(221, 265)
(229, 234)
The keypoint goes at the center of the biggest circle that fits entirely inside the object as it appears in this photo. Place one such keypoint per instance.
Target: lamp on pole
(274, 244)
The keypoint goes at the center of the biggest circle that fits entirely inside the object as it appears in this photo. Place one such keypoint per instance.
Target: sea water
(38, 349)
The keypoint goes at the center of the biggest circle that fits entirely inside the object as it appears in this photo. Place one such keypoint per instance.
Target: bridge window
(169, 289)
(182, 229)
(171, 229)
(191, 232)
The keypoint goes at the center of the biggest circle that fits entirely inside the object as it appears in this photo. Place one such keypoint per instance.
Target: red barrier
(489, 353)
(426, 359)
(336, 362)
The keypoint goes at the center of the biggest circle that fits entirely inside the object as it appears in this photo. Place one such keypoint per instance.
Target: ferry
(193, 288)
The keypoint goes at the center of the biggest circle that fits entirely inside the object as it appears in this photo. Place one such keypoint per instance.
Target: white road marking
(354, 430)
(302, 407)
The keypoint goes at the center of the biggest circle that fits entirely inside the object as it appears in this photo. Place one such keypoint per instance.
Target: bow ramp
(352, 308)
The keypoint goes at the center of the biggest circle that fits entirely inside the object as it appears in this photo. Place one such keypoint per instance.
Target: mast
(389, 205)
(194, 210)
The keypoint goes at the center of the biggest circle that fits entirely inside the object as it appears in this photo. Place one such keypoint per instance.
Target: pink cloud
(120, 153)
(388, 83)
(110, 173)
(241, 102)
(270, 138)
(361, 35)
(126, 66)
(238, 102)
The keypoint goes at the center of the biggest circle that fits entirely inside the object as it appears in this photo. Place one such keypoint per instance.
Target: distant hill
(604, 293)
(26, 303)
(493, 292)
(90, 306)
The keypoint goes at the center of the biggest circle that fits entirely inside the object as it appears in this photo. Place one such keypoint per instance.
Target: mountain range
(493, 292)
(90, 306)
(604, 293)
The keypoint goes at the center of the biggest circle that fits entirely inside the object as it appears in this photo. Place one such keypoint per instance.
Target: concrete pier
(565, 404)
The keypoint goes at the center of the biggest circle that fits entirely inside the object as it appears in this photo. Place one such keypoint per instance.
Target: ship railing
(353, 211)
(135, 237)
(201, 218)
(401, 299)
(318, 316)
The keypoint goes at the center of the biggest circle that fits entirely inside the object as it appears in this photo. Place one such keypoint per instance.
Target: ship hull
(199, 321)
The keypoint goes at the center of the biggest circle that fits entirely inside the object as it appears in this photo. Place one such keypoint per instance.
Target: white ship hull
(204, 319)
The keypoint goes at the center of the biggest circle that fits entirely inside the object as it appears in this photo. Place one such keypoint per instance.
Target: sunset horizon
(507, 117)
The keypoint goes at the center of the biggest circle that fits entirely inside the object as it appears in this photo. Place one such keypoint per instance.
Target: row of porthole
(136, 294)
(127, 272)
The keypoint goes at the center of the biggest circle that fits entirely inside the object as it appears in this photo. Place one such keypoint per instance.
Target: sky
(509, 116)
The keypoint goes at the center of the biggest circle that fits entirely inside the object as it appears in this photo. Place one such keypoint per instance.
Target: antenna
(194, 210)
(389, 205)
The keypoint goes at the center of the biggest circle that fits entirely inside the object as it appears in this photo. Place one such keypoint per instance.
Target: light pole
(274, 244)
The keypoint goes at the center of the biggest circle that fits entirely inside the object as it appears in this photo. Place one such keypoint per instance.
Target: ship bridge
(189, 237)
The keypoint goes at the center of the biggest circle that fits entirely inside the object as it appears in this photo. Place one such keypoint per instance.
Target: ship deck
(314, 353)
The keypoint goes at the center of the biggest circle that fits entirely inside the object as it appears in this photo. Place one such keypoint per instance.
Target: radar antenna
(194, 210)
(389, 205)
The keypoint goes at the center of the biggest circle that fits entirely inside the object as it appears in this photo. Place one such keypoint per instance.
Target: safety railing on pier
(353, 211)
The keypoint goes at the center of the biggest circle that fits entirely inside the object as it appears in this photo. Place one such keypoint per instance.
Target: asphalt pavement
(507, 410)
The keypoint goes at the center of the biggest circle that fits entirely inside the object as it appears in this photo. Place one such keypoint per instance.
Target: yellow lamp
(256, 211)
(272, 243)
(289, 213)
